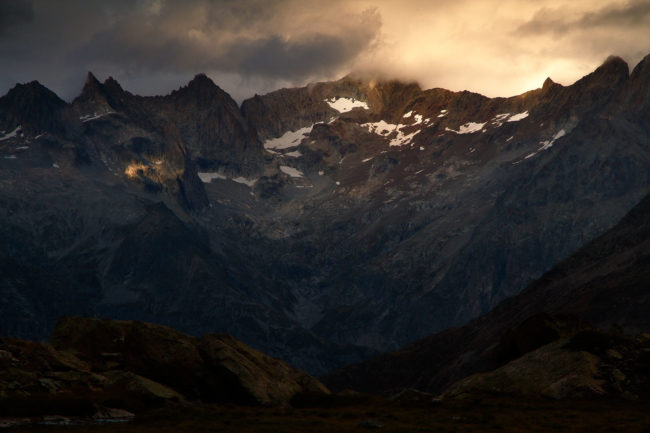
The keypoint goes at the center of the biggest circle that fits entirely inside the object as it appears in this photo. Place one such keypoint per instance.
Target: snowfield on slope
(293, 172)
(288, 140)
(386, 129)
(468, 128)
(343, 105)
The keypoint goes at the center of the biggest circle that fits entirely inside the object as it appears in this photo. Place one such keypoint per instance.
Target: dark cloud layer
(261, 42)
(496, 47)
(15, 13)
(629, 15)
(177, 41)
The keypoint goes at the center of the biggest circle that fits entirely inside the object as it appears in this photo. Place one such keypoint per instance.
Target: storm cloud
(629, 15)
(197, 36)
(15, 13)
(497, 48)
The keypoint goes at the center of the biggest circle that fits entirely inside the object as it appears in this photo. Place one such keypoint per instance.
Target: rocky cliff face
(320, 224)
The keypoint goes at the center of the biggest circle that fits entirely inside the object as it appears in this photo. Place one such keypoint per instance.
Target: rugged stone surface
(137, 366)
(321, 224)
(603, 283)
(33, 108)
(590, 364)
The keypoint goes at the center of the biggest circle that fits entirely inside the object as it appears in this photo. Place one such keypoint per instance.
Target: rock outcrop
(33, 108)
(93, 364)
(587, 365)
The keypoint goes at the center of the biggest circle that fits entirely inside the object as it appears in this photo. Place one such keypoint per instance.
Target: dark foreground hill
(119, 376)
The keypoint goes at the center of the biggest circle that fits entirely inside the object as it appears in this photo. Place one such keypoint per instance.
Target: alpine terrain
(323, 224)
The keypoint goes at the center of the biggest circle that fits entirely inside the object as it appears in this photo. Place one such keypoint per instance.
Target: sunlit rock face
(321, 224)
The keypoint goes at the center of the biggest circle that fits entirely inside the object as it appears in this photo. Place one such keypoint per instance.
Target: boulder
(253, 376)
(214, 368)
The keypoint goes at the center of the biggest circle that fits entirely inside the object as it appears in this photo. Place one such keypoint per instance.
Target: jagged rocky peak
(638, 91)
(202, 90)
(112, 85)
(96, 98)
(91, 84)
(614, 62)
(642, 69)
(32, 106)
(549, 84)
(612, 73)
(201, 81)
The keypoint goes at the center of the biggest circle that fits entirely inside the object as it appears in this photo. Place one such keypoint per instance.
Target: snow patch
(11, 134)
(206, 177)
(382, 127)
(517, 117)
(547, 144)
(321, 172)
(468, 128)
(367, 159)
(10, 157)
(291, 171)
(55, 165)
(247, 182)
(443, 113)
(408, 114)
(22, 148)
(343, 105)
(421, 147)
(294, 154)
(499, 119)
(386, 129)
(288, 140)
(402, 138)
(88, 117)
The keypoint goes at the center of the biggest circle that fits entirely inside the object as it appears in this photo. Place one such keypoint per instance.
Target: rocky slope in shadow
(605, 284)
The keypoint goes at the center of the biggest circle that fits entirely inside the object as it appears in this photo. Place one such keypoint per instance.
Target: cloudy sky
(494, 47)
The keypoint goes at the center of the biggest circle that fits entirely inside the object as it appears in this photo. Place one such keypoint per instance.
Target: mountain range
(322, 224)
